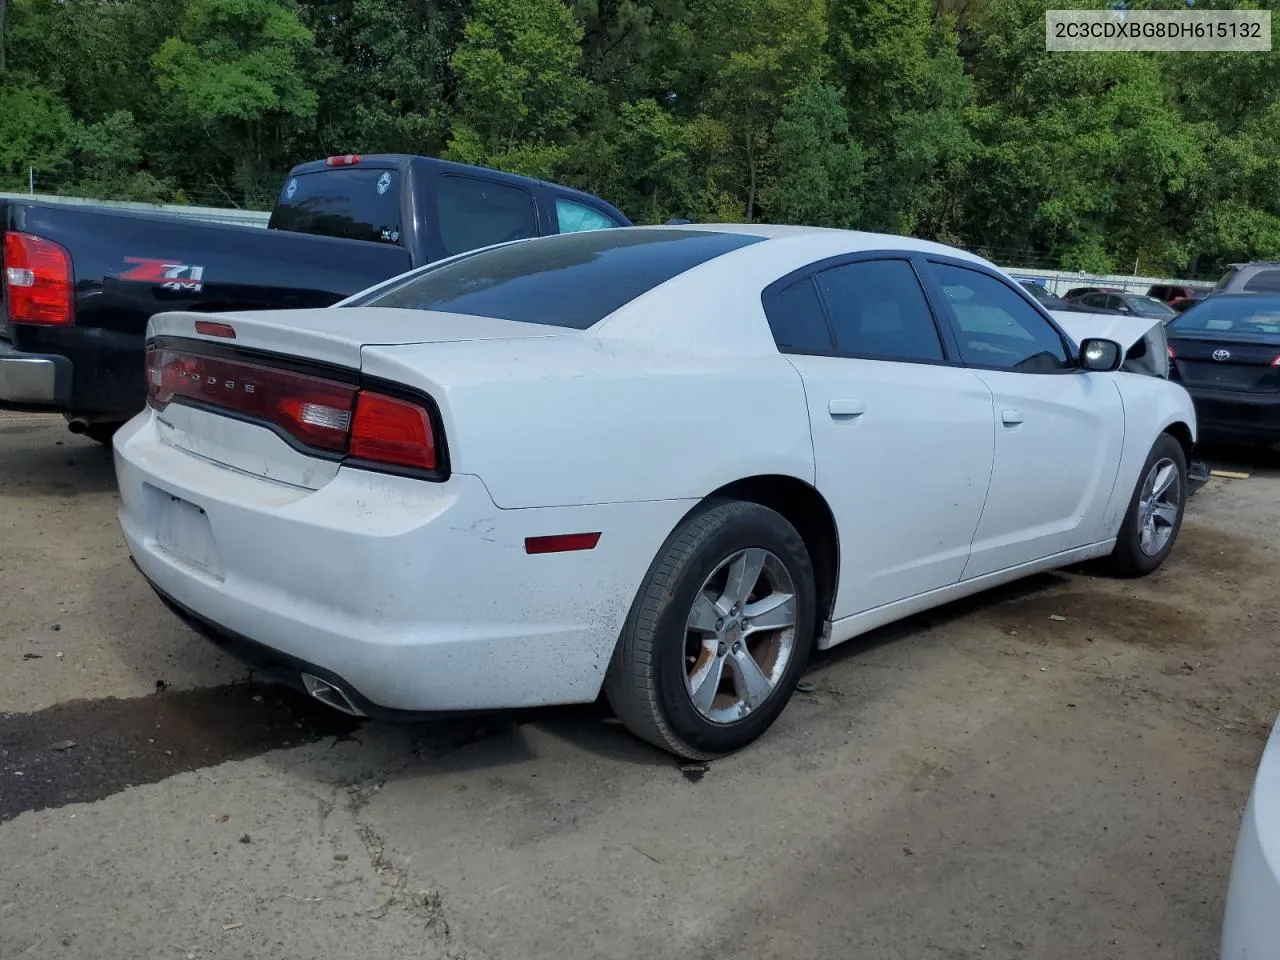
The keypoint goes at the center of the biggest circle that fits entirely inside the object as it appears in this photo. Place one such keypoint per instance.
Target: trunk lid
(335, 335)
(239, 398)
(1223, 363)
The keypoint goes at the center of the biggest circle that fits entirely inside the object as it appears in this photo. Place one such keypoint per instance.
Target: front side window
(996, 327)
(879, 310)
(473, 213)
(572, 217)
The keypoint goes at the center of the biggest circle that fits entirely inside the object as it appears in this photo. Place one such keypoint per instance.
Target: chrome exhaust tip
(330, 694)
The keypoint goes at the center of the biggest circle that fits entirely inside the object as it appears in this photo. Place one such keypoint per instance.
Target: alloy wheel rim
(1158, 506)
(740, 635)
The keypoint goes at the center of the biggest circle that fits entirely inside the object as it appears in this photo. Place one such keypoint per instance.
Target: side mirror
(1100, 356)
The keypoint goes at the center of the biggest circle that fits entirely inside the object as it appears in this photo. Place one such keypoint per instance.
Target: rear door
(1058, 429)
(902, 433)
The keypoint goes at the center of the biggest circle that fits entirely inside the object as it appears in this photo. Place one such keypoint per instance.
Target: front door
(1058, 429)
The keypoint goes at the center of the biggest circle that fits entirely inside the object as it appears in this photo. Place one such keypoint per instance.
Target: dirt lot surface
(988, 780)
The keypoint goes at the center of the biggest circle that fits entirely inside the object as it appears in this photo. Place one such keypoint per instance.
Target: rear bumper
(412, 596)
(1238, 416)
(33, 380)
(1251, 923)
(280, 667)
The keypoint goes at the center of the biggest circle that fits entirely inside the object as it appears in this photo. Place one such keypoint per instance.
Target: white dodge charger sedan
(1251, 921)
(664, 463)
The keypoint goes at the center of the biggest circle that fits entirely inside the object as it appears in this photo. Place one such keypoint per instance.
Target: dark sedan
(1132, 304)
(1226, 352)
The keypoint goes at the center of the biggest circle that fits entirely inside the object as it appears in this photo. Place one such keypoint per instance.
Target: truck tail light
(324, 416)
(346, 160)
(38, 281)
(1276, 362)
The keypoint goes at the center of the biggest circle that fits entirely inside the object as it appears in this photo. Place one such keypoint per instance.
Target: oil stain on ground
(85, 750)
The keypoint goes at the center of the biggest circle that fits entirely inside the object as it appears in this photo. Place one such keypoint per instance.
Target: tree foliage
(944, 119)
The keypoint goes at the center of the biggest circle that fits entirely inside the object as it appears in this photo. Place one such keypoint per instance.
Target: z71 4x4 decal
(170, 276)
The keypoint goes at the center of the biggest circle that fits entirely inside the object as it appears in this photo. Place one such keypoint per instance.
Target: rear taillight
(1172, 355)
(38, 281)
(1276, 362)
(345, 160)
(388, 430)
(324, 415)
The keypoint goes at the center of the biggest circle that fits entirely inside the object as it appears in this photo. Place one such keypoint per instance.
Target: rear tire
(719, 633)
(1154, 517)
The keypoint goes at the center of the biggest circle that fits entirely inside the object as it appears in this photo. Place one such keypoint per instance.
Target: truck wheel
(719, 633)
(1154, 517)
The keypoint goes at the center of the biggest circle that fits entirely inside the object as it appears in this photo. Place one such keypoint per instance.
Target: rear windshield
(571, 280)
(357, 203)
(1264, 280)
(1249, 317)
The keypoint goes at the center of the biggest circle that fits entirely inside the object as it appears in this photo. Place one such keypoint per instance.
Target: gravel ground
(986, 780)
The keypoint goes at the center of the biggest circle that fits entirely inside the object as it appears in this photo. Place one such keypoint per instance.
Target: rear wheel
(719, 634)
(1154, 517)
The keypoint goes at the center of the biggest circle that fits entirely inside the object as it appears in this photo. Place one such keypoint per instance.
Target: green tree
(385, 84)
(36, 131)
(1083, 155)
(236, 79)
(909, 102)
(742, 60)
(519, 85)
(821, 171)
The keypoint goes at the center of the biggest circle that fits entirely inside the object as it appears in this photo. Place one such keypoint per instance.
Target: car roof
(725, 290)
(838, 239)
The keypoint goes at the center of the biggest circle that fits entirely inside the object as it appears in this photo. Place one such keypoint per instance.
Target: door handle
(846, 409)
(1011, 417)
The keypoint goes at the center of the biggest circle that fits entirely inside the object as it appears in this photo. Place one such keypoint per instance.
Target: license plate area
(182, 531)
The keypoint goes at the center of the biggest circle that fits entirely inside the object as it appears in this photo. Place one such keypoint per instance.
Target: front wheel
(719, 633)
(1154, 517)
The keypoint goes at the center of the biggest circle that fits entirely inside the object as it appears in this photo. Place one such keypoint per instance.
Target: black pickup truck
(78, 283)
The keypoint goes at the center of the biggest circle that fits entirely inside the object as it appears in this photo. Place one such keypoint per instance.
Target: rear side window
(1267, 281)
(572, 216)
(356, 203)
(878, 309)
(570, 280)
(474, 213)
(797, 319)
